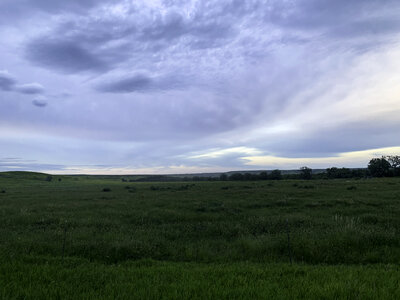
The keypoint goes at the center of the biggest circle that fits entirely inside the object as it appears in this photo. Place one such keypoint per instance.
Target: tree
(223, 177)
(379, 167)
(394, 161)
(338, 173)
(358, 173)
(305, 173)
(236, 176)
(275, 175)
(263, 175)
(247, 176)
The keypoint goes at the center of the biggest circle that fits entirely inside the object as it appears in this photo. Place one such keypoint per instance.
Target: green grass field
(91, 237)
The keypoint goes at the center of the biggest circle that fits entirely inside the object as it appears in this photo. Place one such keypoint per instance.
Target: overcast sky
(179, 86)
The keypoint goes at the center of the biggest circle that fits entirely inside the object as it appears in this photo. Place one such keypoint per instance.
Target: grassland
(98, 237)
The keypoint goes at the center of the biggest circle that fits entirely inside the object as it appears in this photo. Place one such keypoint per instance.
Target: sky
(173, 86)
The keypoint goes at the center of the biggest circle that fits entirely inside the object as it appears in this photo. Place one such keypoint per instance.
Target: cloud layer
(171, 82)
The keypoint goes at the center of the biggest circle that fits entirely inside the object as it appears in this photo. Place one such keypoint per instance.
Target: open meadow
(95, 237)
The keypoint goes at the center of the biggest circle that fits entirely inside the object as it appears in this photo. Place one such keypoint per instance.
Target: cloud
(352, 159)
(139, 34)
(64, 56)
(7, 82)
(139, 83)
(39, 102)
(182, 77)
(20, 10)
(10, 84)
(135, 83)
(11, 164)
(30, 88)
(338, 19)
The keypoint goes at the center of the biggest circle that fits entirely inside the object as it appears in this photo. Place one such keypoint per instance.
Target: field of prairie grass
(98, 237)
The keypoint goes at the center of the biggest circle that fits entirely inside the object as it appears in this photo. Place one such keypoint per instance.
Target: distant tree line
(304, 173)
(386, 166)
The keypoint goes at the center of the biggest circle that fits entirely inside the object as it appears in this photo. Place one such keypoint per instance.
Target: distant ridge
(23, 174)
(36, 175)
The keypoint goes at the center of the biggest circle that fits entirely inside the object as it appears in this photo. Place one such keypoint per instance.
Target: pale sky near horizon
(173, 86)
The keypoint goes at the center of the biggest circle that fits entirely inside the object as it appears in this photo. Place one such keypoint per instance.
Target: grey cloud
(65, 56)
(212, 71)
(169, 27)
(173, 25)
(39, 102)
(340, 18)
(139, 83)
(10, 84)
(20, 10)
(58, 6)
(136, 83)
(99, 45)
(7, 82)
(344, 137)
(30, 88)
(375, 27)
(28, 165)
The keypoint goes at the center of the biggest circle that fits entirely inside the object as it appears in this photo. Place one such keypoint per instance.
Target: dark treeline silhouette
(386, 166)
